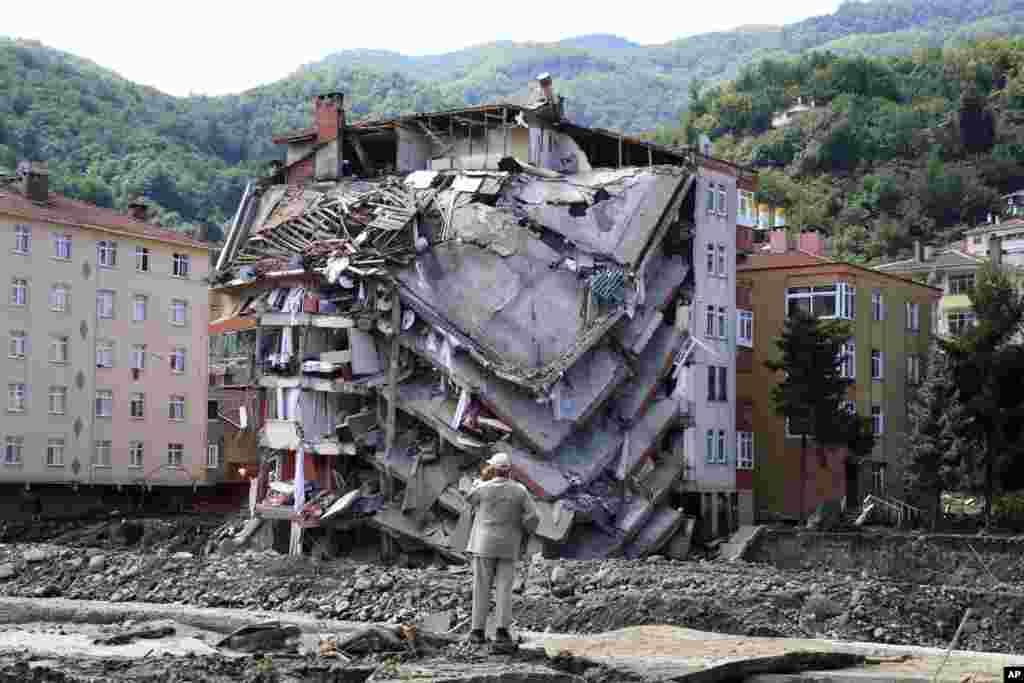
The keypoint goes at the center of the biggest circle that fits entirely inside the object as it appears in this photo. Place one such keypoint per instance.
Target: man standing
(503, 510)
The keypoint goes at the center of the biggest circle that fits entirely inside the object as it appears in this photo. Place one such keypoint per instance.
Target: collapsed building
(399, 299)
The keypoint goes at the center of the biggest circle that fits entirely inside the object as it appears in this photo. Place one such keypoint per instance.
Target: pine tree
(986, 365)
(938, 454)
(813, 390)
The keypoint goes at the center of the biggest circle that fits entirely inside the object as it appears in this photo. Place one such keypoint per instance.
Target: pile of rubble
(516, 309)
(556, 595)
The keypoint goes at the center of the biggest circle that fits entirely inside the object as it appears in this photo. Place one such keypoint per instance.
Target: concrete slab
(740, 542)
(663, 523)
(678, 546)
(653, 365)
(532, 422)
(670, 651)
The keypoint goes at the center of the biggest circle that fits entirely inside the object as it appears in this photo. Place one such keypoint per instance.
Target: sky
(215, 47)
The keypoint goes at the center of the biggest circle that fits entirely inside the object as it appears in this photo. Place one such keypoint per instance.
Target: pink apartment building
(104, 365)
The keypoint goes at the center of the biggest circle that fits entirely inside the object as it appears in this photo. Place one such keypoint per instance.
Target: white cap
(500, 460)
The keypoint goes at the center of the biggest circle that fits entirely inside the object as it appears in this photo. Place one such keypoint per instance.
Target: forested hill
(894, 150)
(107, 139)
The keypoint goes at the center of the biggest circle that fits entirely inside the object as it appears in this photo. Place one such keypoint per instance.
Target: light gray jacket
(504, 510)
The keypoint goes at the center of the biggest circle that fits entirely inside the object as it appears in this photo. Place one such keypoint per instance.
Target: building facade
(891, 322)
(711, 441)
(106, 345)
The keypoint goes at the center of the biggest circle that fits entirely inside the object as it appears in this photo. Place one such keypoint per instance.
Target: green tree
(987, 366)
(937, 446)
(813, 390)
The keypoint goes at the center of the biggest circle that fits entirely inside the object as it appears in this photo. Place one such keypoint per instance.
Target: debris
(151, 633)
(267, 637)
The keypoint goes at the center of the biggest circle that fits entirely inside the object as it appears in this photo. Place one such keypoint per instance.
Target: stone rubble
(736, 598)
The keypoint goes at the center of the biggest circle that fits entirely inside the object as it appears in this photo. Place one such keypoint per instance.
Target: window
(104, 353)
(60, 298)
(848, 407)
(139, 357)
(101, 454)
(105, 304)
(709, 447)
(961, 284)
(175, 454)
(723, 205)
(717, 383)
(139, 305)
(823, 301)
(180, 265)
(22, 235)
(104, 403)
(59, 349)
(176, 408)
(212, 456)
(722, 333)
(178, 359)
(58, 400)
(138, 405)
(55, 452)
(711, 259)
(106, 253)
(960, 321)
(136, 454)
(878, 477)
(745, 328)
(877, 364)
(12, 450)
(722, 272)
(745, 450)
(722, 459)
(179, 312)
(877, 306)
(17, 346)
(913, 370)
(142, 259)
(17, 397)
(913, 316)
(877, 420)
(709, 328)
(62, 247)
(212, 411)
(712, 197)
(19, 292)
(848, 360)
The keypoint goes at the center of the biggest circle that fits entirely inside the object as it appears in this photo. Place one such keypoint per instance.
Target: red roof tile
(67, 211)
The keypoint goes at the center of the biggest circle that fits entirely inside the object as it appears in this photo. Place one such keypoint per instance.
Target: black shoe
(502, 635)
(477, 637)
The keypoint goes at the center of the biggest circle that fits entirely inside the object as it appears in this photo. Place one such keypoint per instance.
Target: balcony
(744, 240)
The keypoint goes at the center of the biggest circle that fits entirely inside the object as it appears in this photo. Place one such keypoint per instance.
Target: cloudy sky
(222, 46)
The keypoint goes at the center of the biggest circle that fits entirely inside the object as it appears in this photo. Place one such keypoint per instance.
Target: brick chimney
(138, 209)
(329, 115)
(812, 242)
(778, 241)
(35, 180)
